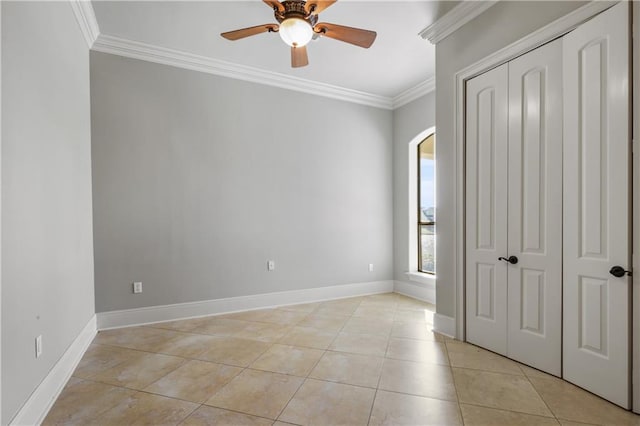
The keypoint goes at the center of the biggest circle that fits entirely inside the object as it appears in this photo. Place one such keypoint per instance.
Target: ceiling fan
(298, 24)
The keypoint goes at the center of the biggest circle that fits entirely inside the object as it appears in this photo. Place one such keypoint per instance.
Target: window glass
(427, 205)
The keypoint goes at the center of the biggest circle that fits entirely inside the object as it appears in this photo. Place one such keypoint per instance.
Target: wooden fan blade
(246, 32)
(356, 36)
(299, 57)
(314, 7)
(275, 4)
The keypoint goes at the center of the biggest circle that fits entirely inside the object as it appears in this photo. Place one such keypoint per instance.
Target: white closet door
(486, 214)
(535, 208)
(596, 206)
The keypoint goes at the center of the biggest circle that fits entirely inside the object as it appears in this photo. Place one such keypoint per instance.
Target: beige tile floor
(366, 360)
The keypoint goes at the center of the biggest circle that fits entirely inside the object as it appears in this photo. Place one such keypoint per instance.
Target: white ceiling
(398, 60)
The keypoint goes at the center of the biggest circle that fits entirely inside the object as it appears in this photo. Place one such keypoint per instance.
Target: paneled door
(597, 206)
(514, 209)
(535, 209)
(486, 209)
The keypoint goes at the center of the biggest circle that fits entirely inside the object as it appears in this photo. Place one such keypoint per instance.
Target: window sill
(421, 277)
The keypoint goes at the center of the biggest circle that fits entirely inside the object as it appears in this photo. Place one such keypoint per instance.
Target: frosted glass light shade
(295, 32)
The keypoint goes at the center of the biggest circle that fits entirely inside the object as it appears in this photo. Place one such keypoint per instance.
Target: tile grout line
(455, 385)
(238, 412)
(243, 369)
(506, 410)
(375, 395)
(416, 395)
(284, 407)
(304, 380)
(328, 381)
(198, 405)
(539, 396)
(188, 415)
(490, 371)
(524, 375)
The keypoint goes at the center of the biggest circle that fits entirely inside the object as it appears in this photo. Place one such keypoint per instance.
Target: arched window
(427, 205)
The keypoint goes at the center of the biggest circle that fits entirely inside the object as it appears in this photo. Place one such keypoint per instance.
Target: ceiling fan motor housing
(295, 9)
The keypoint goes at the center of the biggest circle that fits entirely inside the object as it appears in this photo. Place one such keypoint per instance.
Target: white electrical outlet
(137, 287)
(38, 346)
(271, 265)
(371, 267)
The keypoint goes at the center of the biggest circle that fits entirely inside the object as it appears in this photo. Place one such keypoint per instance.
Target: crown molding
(86, 18)
(190, 61)
(454, 19)
(83, 10)
(414, 93)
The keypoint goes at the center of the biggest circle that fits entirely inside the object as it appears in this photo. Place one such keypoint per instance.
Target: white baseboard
(444, 325)
(153, 314)
(39, 403)
(425, 292)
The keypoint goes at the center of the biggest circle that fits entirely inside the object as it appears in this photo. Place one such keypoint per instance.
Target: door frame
(537, 38)
(635, 110)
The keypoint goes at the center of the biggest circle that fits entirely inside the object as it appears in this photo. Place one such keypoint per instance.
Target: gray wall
(198, 180)
(499, 26)
(47, 253)
(408, 121)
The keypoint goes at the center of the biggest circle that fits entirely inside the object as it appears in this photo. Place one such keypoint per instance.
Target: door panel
(535, 208)
(596, 211)
(532, 294)
(485, 289)
(486, 214)
(593, 304)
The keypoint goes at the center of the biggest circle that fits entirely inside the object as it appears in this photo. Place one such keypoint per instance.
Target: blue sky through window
(427, 187)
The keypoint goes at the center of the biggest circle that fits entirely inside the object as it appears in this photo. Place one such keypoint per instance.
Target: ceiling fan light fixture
(298, 25)
(296, 32)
